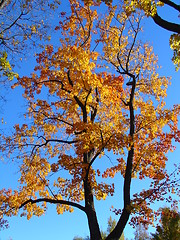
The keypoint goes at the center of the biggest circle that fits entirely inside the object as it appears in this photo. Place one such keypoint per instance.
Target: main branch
(171, 4)
(118, 230)
(173, 27)
(53, 201)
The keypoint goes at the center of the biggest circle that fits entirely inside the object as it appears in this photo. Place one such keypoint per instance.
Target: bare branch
(12, 24)
(132, 45)
(89, 30)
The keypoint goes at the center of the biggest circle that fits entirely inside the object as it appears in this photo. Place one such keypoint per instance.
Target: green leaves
(5, 67)
(175, 46)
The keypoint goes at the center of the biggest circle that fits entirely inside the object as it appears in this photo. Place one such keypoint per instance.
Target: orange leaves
(99, 92)
(62, 208)
(102, 190)
(120, 167)
(54, 167)
(49, 49)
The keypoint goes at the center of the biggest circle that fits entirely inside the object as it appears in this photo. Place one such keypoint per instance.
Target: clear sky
(66, 226)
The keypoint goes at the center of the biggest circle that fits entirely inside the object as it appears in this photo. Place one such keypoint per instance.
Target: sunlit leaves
(175, 46)
(82, 97)
(5, 67)
(149, 9)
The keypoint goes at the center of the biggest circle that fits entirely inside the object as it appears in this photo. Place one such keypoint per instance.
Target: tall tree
(169, 228)
(98, 92)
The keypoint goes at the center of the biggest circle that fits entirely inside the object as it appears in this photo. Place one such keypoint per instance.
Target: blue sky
(68, 225)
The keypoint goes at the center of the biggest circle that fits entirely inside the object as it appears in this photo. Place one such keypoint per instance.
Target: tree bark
(171, 4)
(95, 233)
(173, 27)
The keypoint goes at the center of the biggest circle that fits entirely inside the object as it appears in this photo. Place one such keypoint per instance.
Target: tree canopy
(150, 9)
(99, 92)
(169, 227)
(23, 24)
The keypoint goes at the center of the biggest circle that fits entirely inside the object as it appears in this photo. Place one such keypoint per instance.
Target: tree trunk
(95, 233)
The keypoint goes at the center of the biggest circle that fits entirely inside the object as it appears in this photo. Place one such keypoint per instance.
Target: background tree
(23, 24)
(99, 92)
(150, 8)
(81, 238)
(111, 225)
(169, 227)
(141, 233)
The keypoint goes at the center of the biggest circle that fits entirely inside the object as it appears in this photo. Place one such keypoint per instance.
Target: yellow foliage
(86, 100)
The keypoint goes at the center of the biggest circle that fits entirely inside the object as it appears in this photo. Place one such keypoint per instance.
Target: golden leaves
(61, 208)
(79, 104)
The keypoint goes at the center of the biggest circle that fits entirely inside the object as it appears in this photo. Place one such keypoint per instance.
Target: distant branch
(54, 140)
(162, 187)
(60, 120)
(89, 30)
(46, 141)
(12, 24)
(132, 45)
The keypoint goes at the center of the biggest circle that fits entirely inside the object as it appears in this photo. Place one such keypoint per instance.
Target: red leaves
(54, 167)
(63, 13)
(57, 28)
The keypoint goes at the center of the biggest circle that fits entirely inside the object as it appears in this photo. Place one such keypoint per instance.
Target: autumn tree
(24, 20)
(99, 92)
(169, 227)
